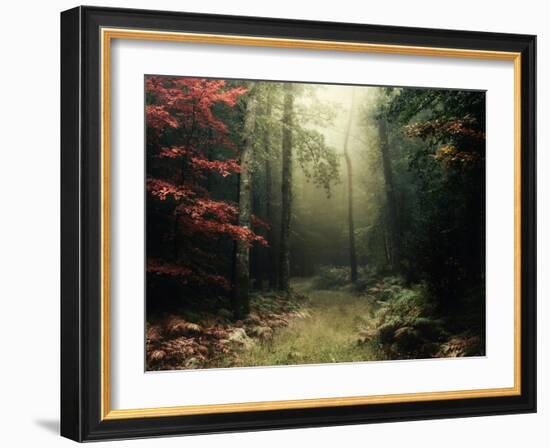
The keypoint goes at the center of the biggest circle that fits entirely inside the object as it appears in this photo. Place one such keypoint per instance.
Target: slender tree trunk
(286, 189)
(257, 257)
(241, 275)
(351, 225)
(393, 237)
(387, 249)
(269, 252)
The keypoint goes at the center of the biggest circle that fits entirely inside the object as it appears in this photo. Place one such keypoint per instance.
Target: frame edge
(71, 379)
(529, 222)
(79, 413)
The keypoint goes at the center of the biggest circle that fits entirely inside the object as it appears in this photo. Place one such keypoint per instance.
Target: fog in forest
(292, 223)
(321, 214)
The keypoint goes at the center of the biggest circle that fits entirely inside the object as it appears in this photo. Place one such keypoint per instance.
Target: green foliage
(329, 277)
(318, 160)
(438, 159)
(333, 277)
(404, 325)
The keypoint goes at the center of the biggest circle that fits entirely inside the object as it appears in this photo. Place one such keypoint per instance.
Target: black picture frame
(81, 224)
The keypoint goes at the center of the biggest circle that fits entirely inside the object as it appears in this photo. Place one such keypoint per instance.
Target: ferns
(403, 326)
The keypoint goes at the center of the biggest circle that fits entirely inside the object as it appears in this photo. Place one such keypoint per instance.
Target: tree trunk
(241, 277)
(257, 251)
(351, 225)
(392, 219)
(286, 189)
(270, 253)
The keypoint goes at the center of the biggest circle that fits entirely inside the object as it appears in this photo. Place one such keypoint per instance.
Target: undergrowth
(404, 325)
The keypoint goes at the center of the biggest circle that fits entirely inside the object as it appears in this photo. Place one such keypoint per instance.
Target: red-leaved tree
(188, 145)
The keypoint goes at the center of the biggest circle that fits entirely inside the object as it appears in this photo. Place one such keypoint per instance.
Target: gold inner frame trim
(107, 35)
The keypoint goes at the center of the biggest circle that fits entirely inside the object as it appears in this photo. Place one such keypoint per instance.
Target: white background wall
(29, 226)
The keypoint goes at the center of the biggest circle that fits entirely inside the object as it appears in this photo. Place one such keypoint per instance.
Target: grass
(317, 324)
(328, 335)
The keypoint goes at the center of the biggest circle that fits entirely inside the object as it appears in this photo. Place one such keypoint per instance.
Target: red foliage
(441, 128)
(461, 143)
(222, 167)
(161, 189)
(184, 274)
(215, 218)
(159, 267)
(159, 118)
(257, 222)
(187, 103)
(174, 152)
(180, 111)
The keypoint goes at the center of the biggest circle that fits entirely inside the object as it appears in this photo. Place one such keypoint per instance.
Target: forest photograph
(297, 223)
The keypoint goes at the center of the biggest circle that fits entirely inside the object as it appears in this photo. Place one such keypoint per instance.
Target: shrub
(403, 325)
(331, 277)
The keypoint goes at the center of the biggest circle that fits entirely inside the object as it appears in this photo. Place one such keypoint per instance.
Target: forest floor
(311, 325)
(328, 334)
(307, 326)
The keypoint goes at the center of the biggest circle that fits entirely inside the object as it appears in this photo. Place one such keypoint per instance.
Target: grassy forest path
(329, 334)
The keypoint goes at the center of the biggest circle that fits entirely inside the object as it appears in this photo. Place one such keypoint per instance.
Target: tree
(351, 227)
(242, 247)
(286, 188)
(392, 223)
(187, 143)
(270, 260)
(444, 131)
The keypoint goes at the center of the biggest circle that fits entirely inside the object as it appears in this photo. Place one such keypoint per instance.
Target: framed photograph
(276, 224)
